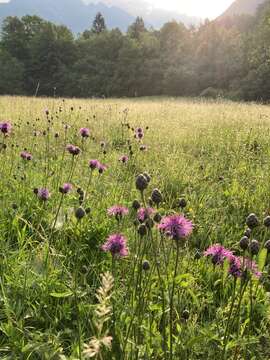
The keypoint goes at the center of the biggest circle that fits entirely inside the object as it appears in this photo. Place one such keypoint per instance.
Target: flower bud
(266, 221)
(156, 196)
(244, 243)
(80, 213)
(141, 182)
(142, 230)
(252, 221)
(254, 247)
(136, 205)
(146, 265)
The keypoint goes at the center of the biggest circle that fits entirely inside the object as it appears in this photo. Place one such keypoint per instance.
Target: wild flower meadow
(134, 229)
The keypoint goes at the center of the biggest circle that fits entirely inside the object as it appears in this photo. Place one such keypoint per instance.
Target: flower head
(84, 132)
(218, 253)
(66, 188)
(144, 213)
(240, 265)
(176, 226)
(94, 164)
(117, 211)
(102, 168)
(5, 128)
(116, 244)
(73, 150)
(26, 155)
(123, 159)
(43, 194)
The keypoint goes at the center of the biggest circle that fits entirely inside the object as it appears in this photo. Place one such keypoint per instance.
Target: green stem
(172, 302)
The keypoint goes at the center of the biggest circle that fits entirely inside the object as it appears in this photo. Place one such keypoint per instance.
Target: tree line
(226, 57)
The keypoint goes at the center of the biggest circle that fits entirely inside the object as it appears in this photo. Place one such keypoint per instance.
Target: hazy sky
(202, 8)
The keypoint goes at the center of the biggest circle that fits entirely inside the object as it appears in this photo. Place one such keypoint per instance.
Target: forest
(227, 57)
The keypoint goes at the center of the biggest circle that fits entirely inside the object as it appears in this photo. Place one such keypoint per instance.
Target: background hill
(78, 15)
(240, 7)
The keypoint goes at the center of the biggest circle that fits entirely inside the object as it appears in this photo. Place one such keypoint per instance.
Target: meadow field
(134, 229)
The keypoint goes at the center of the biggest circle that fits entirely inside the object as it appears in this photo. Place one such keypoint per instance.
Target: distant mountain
(78, 15)
(243, 7)
(153, 16)
(75, 14)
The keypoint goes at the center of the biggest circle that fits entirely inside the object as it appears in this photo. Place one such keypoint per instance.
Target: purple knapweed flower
(66, 188)
(240, 265)
(123, 159)
(26, 155)
(73, 150)
(116, 244)
(43, 194)
(84, 132)
(102, 168)
(5, 128)
(94, 164)
(118, 211)
(218, 253)
(176, 226)
(144, 213)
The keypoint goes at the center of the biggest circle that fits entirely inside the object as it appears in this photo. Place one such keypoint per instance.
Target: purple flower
(117, 211)
(139, 133)
(84, 132)
(73, 150)
(176, 226)
(102, 168)
(66, 188)
(5, 128)
(94, 164)
(26, 155)
(123, 159)
(144, 213)
(219, 253)
(43, 194)
(240, 265)
(116, 244)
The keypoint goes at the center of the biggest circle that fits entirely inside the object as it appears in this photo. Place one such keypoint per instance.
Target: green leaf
(62, 294)
(262, 259)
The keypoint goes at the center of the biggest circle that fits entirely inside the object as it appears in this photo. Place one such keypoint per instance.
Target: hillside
(240, 7)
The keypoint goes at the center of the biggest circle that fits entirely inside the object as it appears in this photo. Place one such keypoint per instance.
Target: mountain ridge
(243, 7)
(78, 15)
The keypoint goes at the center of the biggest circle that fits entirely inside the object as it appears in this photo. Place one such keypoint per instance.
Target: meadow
(134, 229)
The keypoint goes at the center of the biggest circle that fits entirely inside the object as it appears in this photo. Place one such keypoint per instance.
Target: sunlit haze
(202, 8)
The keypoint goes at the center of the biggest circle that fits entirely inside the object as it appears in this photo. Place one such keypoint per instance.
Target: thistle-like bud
(244, 243)
(266, 221)
(136, 205)
(267, 245)
(141, 182)
(80, 213)
(146, 265)
(254, 247)
(252, 221)
(248, 232)
(156, 196)
(185, 314)
(142, 230)
(157, 218)
(182, 203)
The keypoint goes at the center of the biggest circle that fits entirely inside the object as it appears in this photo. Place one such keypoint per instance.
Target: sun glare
(202, 8)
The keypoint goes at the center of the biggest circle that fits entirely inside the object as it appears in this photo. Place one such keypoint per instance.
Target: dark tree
(98, 24)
